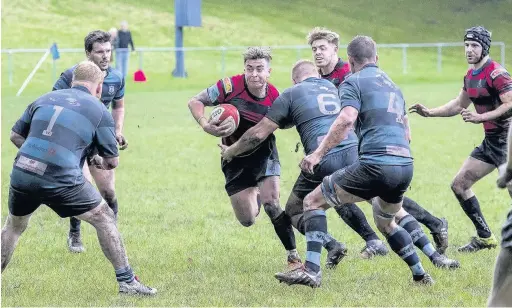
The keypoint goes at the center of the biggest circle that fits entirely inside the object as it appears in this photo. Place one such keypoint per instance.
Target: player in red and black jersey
(324, 45)
(489, 87)
(252, 176)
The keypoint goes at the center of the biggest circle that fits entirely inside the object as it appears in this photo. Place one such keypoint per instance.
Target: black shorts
(247, 171)
(66, 201)
(493, 150)
(389, 182)
(306, 183)
(331, 163)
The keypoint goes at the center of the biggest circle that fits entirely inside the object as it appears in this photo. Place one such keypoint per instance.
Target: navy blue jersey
(380, 124)
(113, 84)
(60, 129)
(311, 106)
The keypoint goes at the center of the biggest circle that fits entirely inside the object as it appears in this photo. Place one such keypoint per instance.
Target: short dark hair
(362, 48)
(96, 36)
(255, 53)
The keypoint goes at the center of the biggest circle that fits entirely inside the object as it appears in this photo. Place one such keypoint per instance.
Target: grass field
(175, 217)
(183, 238)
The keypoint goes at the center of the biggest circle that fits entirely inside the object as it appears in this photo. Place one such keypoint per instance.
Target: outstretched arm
(250, 139)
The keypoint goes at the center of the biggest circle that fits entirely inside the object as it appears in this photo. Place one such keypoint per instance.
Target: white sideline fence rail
(223, 49)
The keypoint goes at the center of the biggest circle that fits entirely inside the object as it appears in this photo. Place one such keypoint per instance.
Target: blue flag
(55, 51)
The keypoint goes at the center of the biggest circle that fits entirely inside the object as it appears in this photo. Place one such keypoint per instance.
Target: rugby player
(98, 49)
(489, 87)
(54, 136)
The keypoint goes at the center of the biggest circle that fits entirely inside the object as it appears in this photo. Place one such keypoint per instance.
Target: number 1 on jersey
(48, 131)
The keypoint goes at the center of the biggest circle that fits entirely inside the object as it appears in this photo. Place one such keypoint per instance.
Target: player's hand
(225, 152)
(505, 176)
(421, 110)
(471, 117)
(309, 162)
(216, 130)
(121, 140)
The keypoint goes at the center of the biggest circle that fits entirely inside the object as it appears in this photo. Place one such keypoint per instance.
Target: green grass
(242, 23)
(183, 238)
(175, 217)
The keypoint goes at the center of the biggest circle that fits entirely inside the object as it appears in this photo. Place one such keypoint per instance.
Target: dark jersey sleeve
(105, 137)
(64, 81)
(349, 95)
(280, 112)
(120, 93)
(501, 80)
(22, 126)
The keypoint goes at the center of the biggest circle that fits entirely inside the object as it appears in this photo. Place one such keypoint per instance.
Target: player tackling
(324, 46)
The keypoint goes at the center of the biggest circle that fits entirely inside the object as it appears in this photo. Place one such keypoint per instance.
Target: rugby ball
(225, 113)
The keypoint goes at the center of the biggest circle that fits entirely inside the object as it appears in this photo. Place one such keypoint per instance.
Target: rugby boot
(335, 255)
(135, 288)
(301, 276)
(75, 242)
(444, 262)
(441, 237)
(478, 243)
(374, 248)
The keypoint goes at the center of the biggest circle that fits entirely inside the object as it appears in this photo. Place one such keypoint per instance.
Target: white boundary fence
(141, 50)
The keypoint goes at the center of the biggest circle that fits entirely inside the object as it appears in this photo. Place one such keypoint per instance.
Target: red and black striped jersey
(484, 87)
(339, 74)
(233, 90)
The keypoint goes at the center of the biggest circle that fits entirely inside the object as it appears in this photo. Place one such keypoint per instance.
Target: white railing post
(223, 61)
(404, 59)
(439, 58)
(9, 66)
(503, 54)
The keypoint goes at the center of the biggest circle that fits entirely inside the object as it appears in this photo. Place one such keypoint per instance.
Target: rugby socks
(419, 238)
(401, 243)
(422, 216)
(316, 230)
(472, 209)
(329, 242)
(354, 217)
(284, 230)
(74, 225)
(125, 274)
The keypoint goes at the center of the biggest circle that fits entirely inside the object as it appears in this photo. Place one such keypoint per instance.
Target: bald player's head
(89, 75)
(304, 69)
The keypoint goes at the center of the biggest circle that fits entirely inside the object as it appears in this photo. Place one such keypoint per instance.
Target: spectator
(115, 42)
(124, 38)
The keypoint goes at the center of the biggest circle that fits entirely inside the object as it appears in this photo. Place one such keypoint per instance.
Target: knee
(108, 194)
(247, 222)
(272, 209)
(458, 186)
(17, 225)
(309, 203)
(104, 215)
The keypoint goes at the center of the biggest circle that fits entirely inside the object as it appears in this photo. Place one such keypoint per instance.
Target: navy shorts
(65, 201)
(492, 150)
(330, 163)
(366, 181)
(247, 171)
